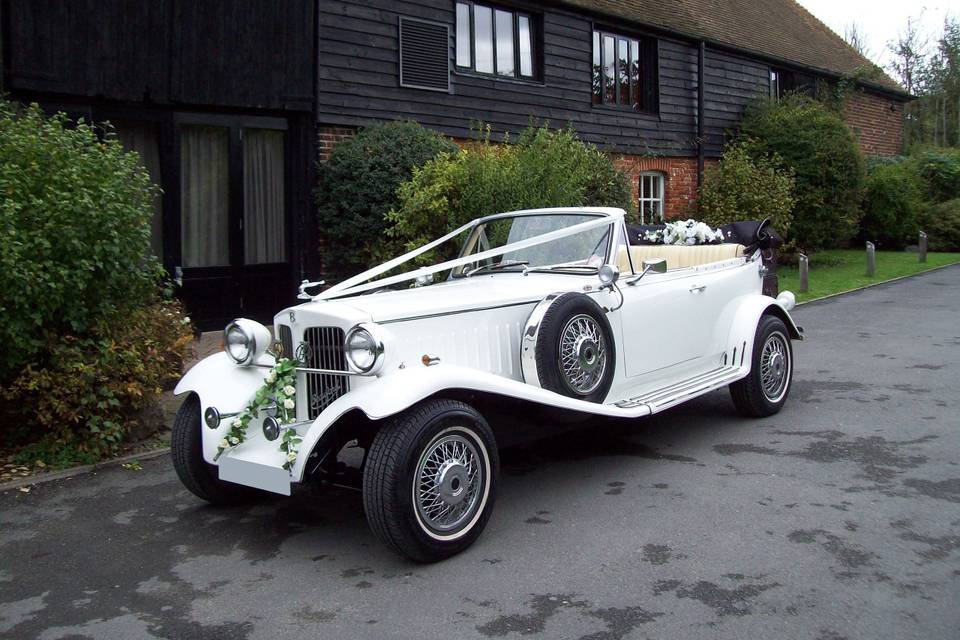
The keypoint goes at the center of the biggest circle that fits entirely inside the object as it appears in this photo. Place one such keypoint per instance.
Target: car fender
(389, 395)
(220, 383)
(744, 328)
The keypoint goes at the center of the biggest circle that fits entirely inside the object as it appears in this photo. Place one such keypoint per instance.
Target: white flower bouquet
(685, 232)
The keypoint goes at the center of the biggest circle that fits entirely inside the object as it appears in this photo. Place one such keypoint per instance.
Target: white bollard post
(871, 260)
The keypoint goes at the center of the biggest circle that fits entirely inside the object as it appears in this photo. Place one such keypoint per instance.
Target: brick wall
(878, 123)
(679, 184)
(329, 137)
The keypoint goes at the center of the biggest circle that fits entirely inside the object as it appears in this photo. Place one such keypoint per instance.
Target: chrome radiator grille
(323, 349)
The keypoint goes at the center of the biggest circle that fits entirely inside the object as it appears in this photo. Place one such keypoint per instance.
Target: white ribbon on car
(347, 287)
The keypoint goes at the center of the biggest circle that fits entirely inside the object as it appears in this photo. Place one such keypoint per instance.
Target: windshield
(583, 252)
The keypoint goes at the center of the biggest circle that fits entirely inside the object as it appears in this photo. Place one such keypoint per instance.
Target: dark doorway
(233, 236)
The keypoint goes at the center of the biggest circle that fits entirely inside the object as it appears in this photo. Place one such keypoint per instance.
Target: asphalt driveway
(837, 518)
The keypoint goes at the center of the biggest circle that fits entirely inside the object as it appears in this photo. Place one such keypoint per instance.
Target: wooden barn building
(231, 103)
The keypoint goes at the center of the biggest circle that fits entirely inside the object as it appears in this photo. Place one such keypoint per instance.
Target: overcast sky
(881, 20)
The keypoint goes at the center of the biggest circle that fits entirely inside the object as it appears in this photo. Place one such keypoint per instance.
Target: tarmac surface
(837, 518)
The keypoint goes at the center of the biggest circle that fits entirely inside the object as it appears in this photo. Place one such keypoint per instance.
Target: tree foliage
(821, 150)
(740, 187)
(893, 201)
(74, 231)
(358, 185)
(543, 168)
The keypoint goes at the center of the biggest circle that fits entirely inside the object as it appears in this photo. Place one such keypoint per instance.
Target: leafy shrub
(80, 401)
(940, 169)
(741, 188)
(941, 222)
(74, 231)
(544, 168)
(893, 201)
(358, 185)
(828, 168)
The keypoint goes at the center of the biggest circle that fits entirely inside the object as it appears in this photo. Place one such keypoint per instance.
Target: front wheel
(429, 480)
(764, 391)
(196, 474)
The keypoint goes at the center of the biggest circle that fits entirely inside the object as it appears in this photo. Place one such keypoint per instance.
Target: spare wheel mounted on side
(568, 347)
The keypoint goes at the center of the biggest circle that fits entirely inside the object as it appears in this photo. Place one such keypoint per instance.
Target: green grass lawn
(841, 270)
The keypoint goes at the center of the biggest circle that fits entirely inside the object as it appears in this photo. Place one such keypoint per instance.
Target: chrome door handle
(698, 287)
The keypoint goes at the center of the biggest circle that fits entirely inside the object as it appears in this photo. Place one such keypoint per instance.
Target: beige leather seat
(677, 257)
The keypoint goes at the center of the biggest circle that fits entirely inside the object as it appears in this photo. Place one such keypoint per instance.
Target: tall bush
(893, 203)
(942, 224)
(742, 188)
(821, 149)
(940, 170)
(358, 185)
(88, 339)
(74, 231)
(544, 168)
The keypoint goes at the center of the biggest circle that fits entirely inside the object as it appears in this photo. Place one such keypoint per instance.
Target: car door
(665, 320)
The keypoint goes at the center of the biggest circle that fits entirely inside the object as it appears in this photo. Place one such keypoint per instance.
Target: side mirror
(608, 274)
(655, 265)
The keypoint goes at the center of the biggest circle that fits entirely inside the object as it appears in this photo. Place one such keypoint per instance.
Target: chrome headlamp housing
(245, 340)
(364, 349)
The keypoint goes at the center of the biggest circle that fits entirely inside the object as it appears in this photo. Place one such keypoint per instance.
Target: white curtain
(263, 210)
(142, 138)
(204, 196)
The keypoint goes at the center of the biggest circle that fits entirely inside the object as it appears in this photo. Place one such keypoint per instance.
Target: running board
(684, 390)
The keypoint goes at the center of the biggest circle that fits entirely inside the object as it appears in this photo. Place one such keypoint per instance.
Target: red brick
(878, 123)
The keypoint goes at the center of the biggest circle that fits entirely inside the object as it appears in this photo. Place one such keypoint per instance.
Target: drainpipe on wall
(700, 111)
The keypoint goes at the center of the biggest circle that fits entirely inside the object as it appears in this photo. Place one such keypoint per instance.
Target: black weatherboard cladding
(359, 81)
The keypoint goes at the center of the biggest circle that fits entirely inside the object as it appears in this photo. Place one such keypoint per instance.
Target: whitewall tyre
(430, 478)
(764, 391)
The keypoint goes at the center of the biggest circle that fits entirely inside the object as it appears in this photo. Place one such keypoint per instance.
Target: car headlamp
(245, 340)
(364, 349)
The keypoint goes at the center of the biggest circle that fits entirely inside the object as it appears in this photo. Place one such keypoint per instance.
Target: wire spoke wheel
(449, 481)
(775, 366)
(582, 354)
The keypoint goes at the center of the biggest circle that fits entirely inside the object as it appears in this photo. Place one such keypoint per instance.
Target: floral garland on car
(279, 388)
(685, 232)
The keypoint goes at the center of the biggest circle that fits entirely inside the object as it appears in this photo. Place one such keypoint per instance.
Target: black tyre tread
(746, 393)
(384, 464)
(545, 357)
(194, 472)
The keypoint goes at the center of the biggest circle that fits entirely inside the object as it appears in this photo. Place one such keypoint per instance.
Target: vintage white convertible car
(555, 315)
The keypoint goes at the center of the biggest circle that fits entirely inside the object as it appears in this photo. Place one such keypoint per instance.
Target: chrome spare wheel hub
(449, 482)
(583, 354)
(774, 367)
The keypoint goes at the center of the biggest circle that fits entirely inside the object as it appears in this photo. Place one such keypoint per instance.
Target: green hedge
(74, 231)
(88, 340)
(358, 185)
(822, 151)
(893, 203)
(743, 188)
(543, 168)
(941, 222)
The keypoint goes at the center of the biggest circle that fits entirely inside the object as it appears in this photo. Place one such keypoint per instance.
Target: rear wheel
(429, 480)
(196, 474)
(764, 391)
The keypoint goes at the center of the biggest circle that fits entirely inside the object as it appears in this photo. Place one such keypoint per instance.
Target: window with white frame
(651, 197)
